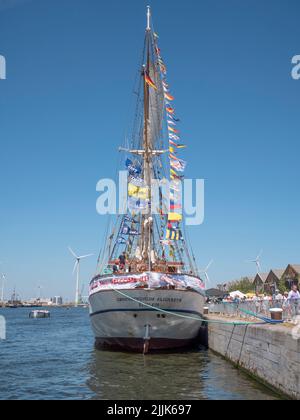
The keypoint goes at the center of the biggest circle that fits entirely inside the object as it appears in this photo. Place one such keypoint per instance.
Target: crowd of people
(289, 302)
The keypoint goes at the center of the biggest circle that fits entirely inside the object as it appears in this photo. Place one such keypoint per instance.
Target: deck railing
(262, 308)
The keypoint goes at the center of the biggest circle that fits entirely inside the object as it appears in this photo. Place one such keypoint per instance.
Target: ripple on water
(55, 359)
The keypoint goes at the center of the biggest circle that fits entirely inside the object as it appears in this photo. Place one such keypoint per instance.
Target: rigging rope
(208, 321)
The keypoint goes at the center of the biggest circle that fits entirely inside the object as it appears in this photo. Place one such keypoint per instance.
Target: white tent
(237, 294)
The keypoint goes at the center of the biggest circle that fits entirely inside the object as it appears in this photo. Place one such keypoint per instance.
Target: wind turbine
(205, 272)
(77, 268)
(257, 262)
(2, 288)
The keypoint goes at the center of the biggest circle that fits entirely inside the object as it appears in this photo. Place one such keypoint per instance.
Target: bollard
(276, 314)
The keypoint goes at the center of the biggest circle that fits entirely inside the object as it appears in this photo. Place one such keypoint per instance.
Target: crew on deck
(122, 261)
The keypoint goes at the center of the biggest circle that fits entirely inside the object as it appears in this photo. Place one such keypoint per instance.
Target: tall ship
(147, 294)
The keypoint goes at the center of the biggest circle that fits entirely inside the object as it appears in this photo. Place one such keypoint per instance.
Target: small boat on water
(39, 314)
(147, 294)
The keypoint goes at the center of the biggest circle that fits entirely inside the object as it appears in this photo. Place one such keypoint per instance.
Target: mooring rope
(208, 321)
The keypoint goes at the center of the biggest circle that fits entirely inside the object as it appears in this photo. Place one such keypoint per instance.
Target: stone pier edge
(267, 353)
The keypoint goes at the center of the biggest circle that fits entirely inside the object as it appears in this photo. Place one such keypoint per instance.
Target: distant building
(259, 282)
(44, 302)
(291, 275)
(57, 301)
(273, 280)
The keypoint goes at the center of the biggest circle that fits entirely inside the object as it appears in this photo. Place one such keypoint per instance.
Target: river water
(55, 359)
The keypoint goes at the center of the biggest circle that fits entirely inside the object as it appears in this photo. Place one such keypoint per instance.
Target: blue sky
(66, 105)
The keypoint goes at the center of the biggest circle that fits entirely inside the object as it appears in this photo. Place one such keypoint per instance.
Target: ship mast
(144, 248)
(148, 18)
(147, 220)
(147, 152)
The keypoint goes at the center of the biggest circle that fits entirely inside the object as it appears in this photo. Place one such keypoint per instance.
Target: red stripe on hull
(136, 345)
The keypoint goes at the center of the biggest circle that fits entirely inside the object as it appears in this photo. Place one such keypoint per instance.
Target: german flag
(170, 110)
(150, 82)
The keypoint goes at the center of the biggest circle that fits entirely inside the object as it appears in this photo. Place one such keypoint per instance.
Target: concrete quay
(270, 353)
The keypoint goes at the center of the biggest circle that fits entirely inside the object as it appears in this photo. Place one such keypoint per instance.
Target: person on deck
(122, 261)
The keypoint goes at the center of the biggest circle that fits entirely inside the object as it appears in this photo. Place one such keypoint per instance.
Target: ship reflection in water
(193, 375)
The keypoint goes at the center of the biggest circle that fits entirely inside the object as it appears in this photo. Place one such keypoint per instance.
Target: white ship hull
(120, 323)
